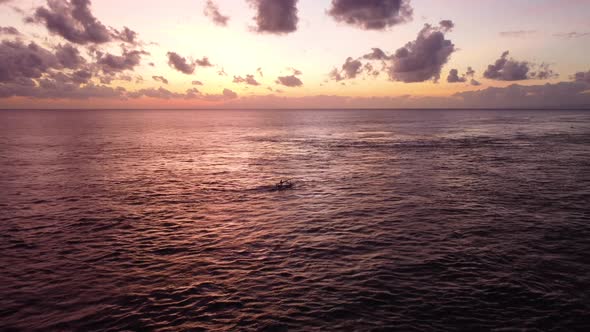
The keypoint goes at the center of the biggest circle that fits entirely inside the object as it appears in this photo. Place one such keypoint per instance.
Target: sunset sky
(290, 54)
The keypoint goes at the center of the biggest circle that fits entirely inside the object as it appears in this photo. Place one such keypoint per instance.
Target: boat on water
(284, 185)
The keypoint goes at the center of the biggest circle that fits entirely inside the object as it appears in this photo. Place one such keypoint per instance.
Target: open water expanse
(413, 220)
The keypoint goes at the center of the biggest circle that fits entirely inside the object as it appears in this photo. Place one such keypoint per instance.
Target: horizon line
(567, 108)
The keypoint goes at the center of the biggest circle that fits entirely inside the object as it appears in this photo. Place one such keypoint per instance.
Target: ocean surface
(411, 220)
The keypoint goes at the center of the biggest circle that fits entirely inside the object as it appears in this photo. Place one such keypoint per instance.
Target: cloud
(31, 71)
(376, 54)
(81, 76)
(289, 81)
(180, 63)
(162, 93)
(203, 62)
(69, 56)
(572, 35)
(212, 11)
(197, 83)
(73, 21)
(350, 69)
(446, 25)
(582, 77)
(184, 65)
(49, 89)
(161, 79)
(229, 94)
(110, 63)
(21, 62)
(455, 78)
(275, 16)
(9, 31)
(560, 95)
(126, 35)
(371, 14)
(518, 33)
(159, 93)
(249, 79)
(505, 69)
(544, 72)
(422, 59)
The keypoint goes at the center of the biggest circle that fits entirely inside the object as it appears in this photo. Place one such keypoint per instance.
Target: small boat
(284, 185)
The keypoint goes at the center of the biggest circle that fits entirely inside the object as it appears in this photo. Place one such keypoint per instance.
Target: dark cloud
(259, 72)
(184, 65)
(9, 31)
(582, 77)
(422, 59)
(376, 54)
(110, 63)
(81, 76)
(19, 61)
(4, 1)
(212, 11)
(276, 16)
(126, 35)
(59, 86)
(474, 82)
(454, 77)
(161, 79)
(350, 69)
(180, 63)
(368, 67)
(72, 20)
(203, 62)
(193, 93)
(544, 72)
(508, 69)
(564, 94)
(289, 81)
(572, 35)
(371, 14)
(249, 79)
(418, 61)
(446, 25)
(197, 83)
(159, 93)
(69, 56)
(336, 75)
(518, 33)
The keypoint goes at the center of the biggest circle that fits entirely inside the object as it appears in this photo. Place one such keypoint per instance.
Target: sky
(294, 54)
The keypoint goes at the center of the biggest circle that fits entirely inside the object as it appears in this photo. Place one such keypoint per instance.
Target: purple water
(399, 220)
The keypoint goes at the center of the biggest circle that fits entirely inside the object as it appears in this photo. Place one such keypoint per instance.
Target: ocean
(399, 220)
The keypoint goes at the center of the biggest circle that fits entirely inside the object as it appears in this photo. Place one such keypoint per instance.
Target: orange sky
(538, 34)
